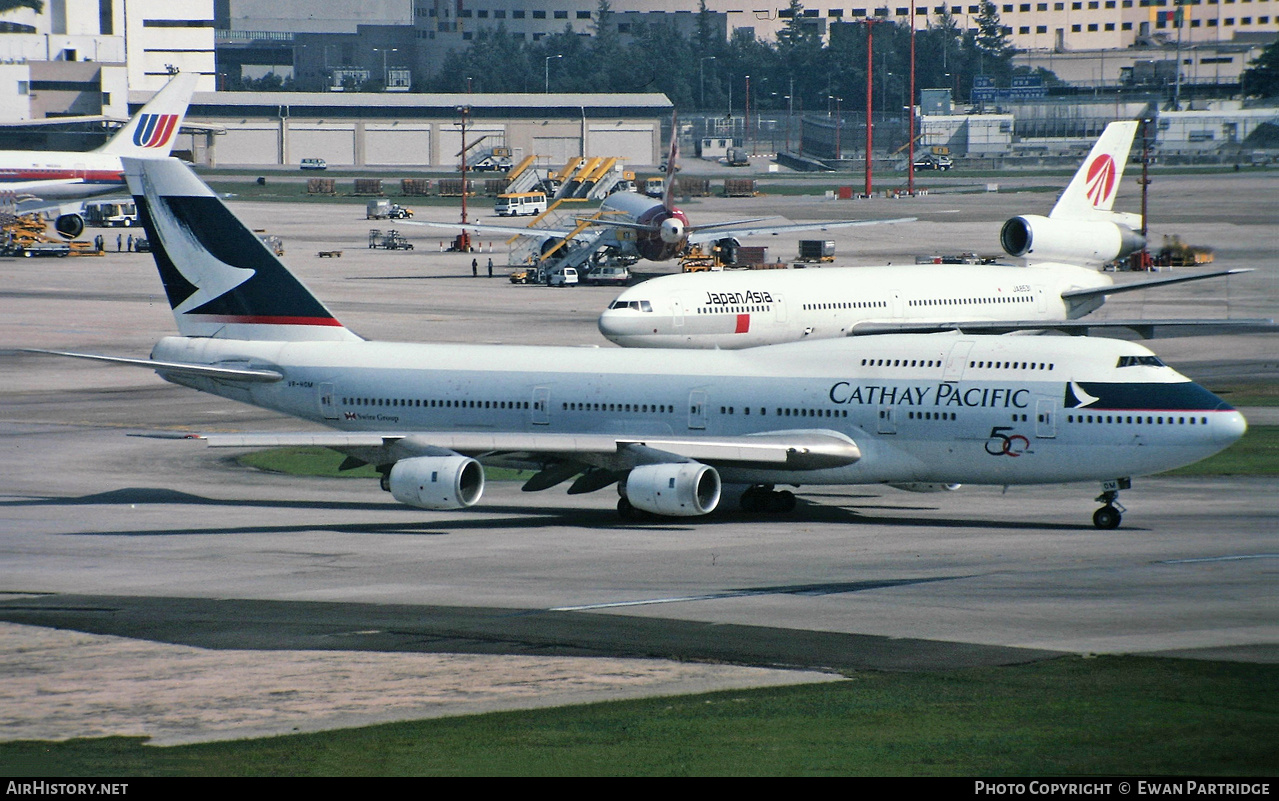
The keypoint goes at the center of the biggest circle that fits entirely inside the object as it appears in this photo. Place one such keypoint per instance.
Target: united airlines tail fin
(221, 280)
(151, 132)
(1091, 193)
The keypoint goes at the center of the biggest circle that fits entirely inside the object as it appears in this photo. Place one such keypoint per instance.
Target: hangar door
(248, 145)
(333, 143)
(397, 144)
(633, 144)
(450, 135)
(557, 149)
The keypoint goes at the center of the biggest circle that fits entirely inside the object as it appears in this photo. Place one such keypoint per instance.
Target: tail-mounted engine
(677, 490)
(1071, 241)
(437, 482)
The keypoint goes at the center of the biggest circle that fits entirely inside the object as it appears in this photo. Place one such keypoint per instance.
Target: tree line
(704, 72)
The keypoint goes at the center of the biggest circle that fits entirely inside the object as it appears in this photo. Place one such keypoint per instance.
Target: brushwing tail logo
(1101, 180)
(155, 130)
(1077, 397)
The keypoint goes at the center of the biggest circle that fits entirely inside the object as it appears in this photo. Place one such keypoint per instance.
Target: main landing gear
(766, 499)
(1110, 515)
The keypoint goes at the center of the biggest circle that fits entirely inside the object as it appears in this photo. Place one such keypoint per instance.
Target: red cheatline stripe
(166, 128)
(265, 319)
(743, 324)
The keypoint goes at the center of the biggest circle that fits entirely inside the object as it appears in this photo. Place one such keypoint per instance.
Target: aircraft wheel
(625, 510)
(1107, 517)
(783, 502)
(754, 500)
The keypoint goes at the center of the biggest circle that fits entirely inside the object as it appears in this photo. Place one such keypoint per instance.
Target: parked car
(607, 275)
(524, 275)
(314, 164)
(564, 276)
(934, 163)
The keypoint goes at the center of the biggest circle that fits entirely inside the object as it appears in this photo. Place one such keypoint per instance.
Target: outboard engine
(69, 225)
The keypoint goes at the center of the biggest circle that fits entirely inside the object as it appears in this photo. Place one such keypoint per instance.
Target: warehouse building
(421, 130)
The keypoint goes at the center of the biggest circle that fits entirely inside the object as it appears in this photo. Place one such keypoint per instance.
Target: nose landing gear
(1110, 515)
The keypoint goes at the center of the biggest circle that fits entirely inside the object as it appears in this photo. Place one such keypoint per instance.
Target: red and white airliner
(37, 180)
(634, 225)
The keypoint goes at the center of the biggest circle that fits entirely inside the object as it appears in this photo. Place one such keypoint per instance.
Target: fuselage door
(896, 303)
(328, 405)
(541, 406)
(957, 360)
(697, 409)
(1045, 417)
(780, 306)
(677, 312)
(887, 420)
(1041, 303)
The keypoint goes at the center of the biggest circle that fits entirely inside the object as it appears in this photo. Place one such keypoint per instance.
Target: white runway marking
(1221, 558)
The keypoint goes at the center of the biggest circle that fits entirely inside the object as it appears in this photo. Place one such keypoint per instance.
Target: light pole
(386, 81)
(547, 71)
(701, 67)
(910, 124)
(747, 109)
(839, 122)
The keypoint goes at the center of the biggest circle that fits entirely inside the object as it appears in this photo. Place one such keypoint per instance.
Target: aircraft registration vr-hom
(39, 180)
(681, 433)
(1060, 284)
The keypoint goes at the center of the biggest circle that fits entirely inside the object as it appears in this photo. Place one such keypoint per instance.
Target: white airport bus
(519, 204)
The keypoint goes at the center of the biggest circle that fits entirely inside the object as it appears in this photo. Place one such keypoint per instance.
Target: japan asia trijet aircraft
(1059, 283)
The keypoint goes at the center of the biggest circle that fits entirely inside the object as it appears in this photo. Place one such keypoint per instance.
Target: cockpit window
(1140, 361)
(637, 305)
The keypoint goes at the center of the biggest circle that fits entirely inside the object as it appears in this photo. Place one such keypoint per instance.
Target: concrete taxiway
(153, 586)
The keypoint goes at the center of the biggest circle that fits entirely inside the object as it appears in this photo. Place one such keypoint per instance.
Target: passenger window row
(1150, 420)
(642, 408)
(732, 309)
(1012, 365)
(930, 416)
(972, 301)
(434, 403)
(860, 304)
(901, 362)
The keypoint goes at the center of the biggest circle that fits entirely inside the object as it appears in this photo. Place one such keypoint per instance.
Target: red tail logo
(155, 130)
(1101, 180)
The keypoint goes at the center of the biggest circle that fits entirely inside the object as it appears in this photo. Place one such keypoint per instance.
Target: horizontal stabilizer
(1147, 284)
(176, 368)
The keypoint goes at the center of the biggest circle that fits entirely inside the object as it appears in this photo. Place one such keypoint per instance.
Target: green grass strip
(1255, 454)
(1072, 716)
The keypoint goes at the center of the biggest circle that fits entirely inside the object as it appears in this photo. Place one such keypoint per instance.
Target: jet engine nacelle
(672, 231)
(437, 482)
(677, 490)
(69, 225)
(1072, 241)
(920, 486)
